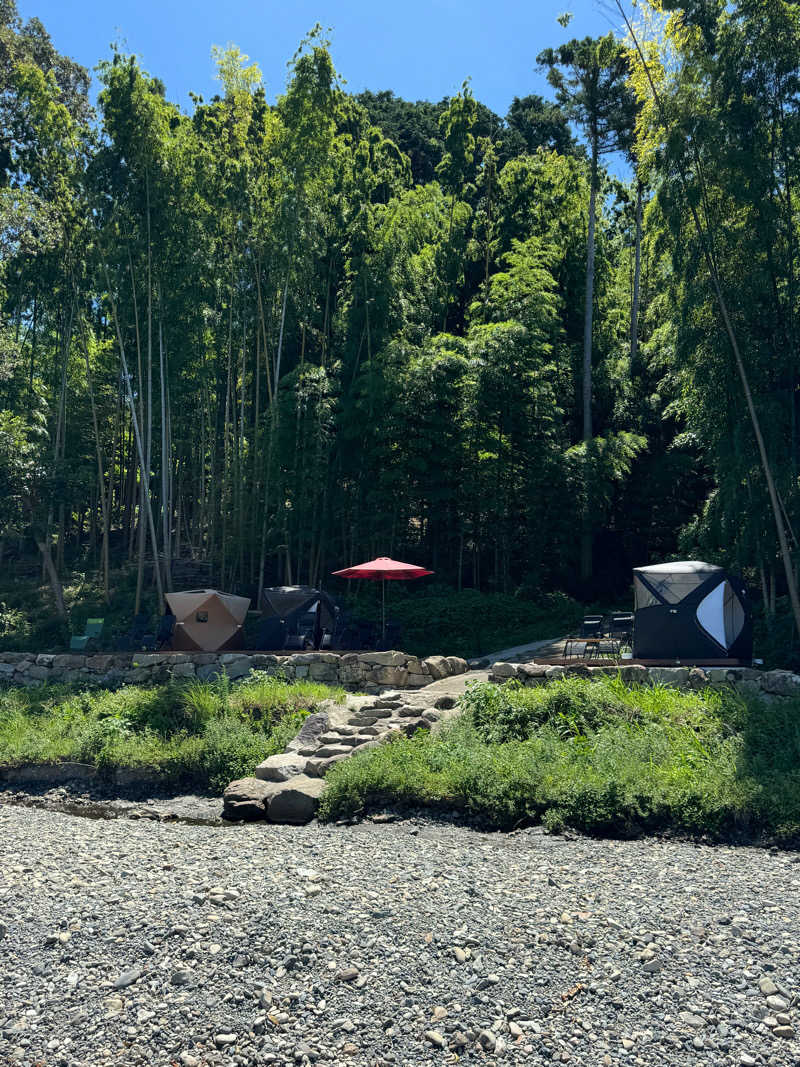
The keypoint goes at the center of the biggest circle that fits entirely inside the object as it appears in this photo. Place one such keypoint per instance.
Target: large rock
(296, 801)
(281, 768)
(318, 768)
(67, 661)
(438, 667)
(781, 683)
(384, 659)
(310, 732)
(675, 677)
(323, 672)
(390, 676)
(247, 798)
(633, 674)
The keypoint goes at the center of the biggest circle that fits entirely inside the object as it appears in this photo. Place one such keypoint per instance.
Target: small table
(592, 647)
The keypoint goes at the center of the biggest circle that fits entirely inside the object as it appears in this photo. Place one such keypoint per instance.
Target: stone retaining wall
(364, 671)
(768, 684)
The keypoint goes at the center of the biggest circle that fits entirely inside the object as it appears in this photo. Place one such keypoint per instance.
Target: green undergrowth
(468, 623)
(200, 733)
(597, 757)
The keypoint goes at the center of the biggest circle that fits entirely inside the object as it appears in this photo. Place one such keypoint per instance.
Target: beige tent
(206, 620)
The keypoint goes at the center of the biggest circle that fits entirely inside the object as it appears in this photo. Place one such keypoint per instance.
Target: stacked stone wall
(743, 679)
(367, 672)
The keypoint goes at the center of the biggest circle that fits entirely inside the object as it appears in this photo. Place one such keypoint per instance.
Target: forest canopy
(283, 337)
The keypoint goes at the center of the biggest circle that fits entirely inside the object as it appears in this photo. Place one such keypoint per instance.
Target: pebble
(420, 948)
(435, 1038)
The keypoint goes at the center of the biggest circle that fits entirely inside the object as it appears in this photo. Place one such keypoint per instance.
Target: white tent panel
(711, 614)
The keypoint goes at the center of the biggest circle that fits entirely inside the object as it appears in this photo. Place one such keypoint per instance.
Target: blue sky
(422, 49)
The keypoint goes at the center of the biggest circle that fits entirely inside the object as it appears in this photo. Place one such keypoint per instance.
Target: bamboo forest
(527, 351)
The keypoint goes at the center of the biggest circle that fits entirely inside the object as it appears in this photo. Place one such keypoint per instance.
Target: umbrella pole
(383, 611)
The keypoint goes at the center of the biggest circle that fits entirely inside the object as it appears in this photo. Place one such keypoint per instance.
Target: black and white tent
(690, 611)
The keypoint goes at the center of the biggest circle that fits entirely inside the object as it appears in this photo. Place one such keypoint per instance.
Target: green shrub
(598, 757)
(201, 733)
(469, 623)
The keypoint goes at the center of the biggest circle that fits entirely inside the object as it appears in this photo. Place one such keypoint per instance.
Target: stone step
(332, 750)
(360, 721)
(318, 768)
(281, 767)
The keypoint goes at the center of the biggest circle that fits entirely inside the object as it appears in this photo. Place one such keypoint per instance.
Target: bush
(469, 623)
(204, 733)
(598, 757)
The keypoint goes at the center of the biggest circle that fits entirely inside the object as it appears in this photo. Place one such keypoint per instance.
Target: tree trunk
(637, 273)
(43, 544)
(586, 532)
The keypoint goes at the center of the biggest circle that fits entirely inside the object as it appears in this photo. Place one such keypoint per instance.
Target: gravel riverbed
(410, 942)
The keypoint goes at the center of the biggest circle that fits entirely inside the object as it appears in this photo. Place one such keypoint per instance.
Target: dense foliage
(201, 735)
(595, 756)
(285, 337)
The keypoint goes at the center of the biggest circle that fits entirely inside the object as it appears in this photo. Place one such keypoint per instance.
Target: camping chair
(166, 627)
(592, 626)
(132, 640)
(88, 641)
(271, 636)
(622, 627)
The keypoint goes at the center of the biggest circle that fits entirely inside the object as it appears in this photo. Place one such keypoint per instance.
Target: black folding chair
(166, 627)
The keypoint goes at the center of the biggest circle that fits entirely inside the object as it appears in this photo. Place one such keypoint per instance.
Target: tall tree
(590, 77)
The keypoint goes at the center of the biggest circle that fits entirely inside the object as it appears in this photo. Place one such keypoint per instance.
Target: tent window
(201, 616)
(644, 598)
(710, 615)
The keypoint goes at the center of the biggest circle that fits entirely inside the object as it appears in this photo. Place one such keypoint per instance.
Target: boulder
(281, 767)
(208, 672)
(333, 750)
(147, 659)
(323, 672)
(235, 666)
(296, 801)
(390, 676)
(318, 768)
(553, 673)
(67, 661)
(416, 681)
(675, 677)
(781, 683)
(504, 670)
(247, 798)
(94, 663)
(182, 670)
(633, 674)
(383, 659)
(310, 732)
(437, 667)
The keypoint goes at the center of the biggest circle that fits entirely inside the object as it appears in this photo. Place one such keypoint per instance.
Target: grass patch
(202, 733)
(598, 757)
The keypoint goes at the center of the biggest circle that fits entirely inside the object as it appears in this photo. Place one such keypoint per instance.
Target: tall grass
(596, 756)
(204, 733)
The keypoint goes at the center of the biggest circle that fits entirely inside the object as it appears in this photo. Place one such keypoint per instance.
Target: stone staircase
(286, 787)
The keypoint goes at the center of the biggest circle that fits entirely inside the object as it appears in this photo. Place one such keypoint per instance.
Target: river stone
(247, 798)
(318, 768)
(281, 767)
(296, 801)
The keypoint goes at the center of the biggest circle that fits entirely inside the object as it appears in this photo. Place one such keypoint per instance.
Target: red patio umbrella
(383, 570)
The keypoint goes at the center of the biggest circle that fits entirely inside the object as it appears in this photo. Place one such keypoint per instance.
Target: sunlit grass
(203, 732)
(596, 756)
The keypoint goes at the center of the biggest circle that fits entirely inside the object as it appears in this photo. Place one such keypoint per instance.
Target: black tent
(690, 611)
(303, 610)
